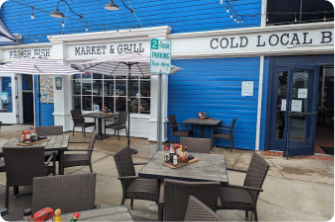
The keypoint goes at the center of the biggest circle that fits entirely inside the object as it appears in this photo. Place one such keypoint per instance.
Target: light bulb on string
(295, 19)
(238, 21)
(324, 17)
(242, 20)
(231, 15)
(227, 9)
(86, 28)
(235, 19)
(32, 13)
(63, 24)
(221, 1)
(36, 39)
(267, 19)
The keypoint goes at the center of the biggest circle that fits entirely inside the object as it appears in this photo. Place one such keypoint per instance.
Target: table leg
(202, 130)
(60, 169)
(100, 128)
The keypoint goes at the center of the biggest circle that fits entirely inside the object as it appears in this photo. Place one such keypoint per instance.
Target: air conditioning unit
(18, 36)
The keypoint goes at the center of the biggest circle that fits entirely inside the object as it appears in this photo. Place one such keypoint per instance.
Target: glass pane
(97, 76)
(134, 105)
(281, 101)
(86, 87)
(108, 77)
(134, 88)
(109, 103)
(145, 88)
(87, 103)
(121, 87)
(97, 100)
(87, 75)
(145, 106)
(76, 76)
(6, 95)
(120, 104)
(76, 86)
(97, 87)
(77, 102)
(109, 87)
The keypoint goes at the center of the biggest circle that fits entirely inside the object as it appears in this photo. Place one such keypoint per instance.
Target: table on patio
(117, 213)
(100, 116)
(56, 143)
(202, 123)
(210, 167)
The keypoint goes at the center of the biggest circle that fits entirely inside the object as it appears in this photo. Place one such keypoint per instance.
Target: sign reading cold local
(160, 56)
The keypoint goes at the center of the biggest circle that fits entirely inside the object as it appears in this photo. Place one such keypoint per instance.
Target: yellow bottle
(181, 154)
(57, 215)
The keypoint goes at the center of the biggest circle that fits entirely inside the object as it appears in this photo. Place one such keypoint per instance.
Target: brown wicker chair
(118, 125)
(175, 194)
(71, 160)
(197, 145)
(198, 211)
(132, 186)
(75, 192)
(245, 197)
(175, 130)
(228, 134)
(23, 164)
(49, 131)
(78, 120)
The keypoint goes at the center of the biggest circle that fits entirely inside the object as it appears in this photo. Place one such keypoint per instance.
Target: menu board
(47, 89)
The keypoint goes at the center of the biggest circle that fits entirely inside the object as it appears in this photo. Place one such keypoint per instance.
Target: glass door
(301, 110)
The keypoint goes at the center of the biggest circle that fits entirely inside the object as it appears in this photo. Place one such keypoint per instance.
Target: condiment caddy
(176, 156)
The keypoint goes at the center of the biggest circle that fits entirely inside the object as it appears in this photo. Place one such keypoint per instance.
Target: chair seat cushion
(75, 160)
(146, 189)
(235, 198)
(221, 135)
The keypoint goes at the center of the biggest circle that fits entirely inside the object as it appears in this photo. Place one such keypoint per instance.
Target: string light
(221, 1)
(324, 17)
(32, 13)
(295, 20)
(36, 39)
(227, 9)
(235, 19)
(267, 18)
(231, 15)
(63, 24)
(238, 21)
(242, 20)
(86, 29)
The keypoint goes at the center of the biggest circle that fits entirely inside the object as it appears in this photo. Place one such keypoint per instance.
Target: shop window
(95, 89)
(6, 104)
(282, 12)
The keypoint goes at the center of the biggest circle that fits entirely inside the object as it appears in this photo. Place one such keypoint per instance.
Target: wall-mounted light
(32, 13)
(114, 7)
(58, 14)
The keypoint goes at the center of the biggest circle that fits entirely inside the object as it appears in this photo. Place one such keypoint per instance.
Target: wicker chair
(198, 211)
(71, 160)
(175, 131)
(197, 145)
(132, 187)
(75, 192)
(23, 164)
(2, 166)
(48, 131)
(228, 135)
(245, 197)
(175, 194)
(118, 125)
(78, 120)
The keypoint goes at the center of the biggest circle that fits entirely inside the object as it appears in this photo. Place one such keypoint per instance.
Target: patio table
(210, 167)
(56, 143)
(117, 213)
(202, 123)
(100, 116)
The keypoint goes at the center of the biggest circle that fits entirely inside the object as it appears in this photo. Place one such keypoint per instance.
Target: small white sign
(283, 105)
(160, 56)
(296, 106)
(302, 93)
(247, 89)
(96, 108)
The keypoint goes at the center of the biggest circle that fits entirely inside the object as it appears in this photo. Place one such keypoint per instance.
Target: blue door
(301, 110)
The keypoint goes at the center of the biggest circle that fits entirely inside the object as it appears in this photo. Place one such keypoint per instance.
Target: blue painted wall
(47, 110)
(264, 103)
(214, 86)
(181, 15)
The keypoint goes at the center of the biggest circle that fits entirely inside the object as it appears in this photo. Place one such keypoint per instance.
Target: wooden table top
(117, 213)
(55, 143)
(210, 167)
(204, 122)
(99, 115)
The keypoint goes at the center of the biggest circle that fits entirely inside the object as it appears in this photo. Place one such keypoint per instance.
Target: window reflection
(6, 95)
(120, 104)
(281, 101)
(76, 102)
(87, 103)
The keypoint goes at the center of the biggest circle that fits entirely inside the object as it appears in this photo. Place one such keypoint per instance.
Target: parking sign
(160, 56)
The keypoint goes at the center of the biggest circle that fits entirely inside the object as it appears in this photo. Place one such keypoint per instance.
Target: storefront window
(6, 104)
(95, 89)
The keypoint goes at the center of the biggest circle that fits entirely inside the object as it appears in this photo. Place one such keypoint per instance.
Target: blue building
(284, 51)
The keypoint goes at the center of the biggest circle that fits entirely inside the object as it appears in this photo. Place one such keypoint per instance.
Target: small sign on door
(302, 93)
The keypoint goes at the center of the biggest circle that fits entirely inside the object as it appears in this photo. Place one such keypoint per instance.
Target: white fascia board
(27, 46)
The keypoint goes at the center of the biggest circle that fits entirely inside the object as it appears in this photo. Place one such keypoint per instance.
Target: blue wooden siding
(264, 103)
(47, 119)
(181, 15)
(214, 86)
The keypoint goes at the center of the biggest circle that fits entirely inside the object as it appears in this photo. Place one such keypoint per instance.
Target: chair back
(173, 123)
(198, 211)
(76, 116)
(23, 164)
(197, 145)
(49, 130)
(92, 142)
(177, 194)
(232, 126)
(258, 168)
(125, 166)
(122, 118)
(70, 193)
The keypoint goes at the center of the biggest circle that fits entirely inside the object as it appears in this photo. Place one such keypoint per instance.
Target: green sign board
(160, 56)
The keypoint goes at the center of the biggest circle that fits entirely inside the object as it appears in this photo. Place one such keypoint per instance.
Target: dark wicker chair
(197, 145)
(2, 166)
(245, 197)
(23, 164)
(198, 211)
(74, 192)
(175, 130)
(118, 125)
(228, 134)
(78, 120)
(175, 194)
(84, 159)
(49, 131)
(134, 187)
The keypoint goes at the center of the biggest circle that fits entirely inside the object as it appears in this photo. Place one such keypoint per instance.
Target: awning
(6, 37)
